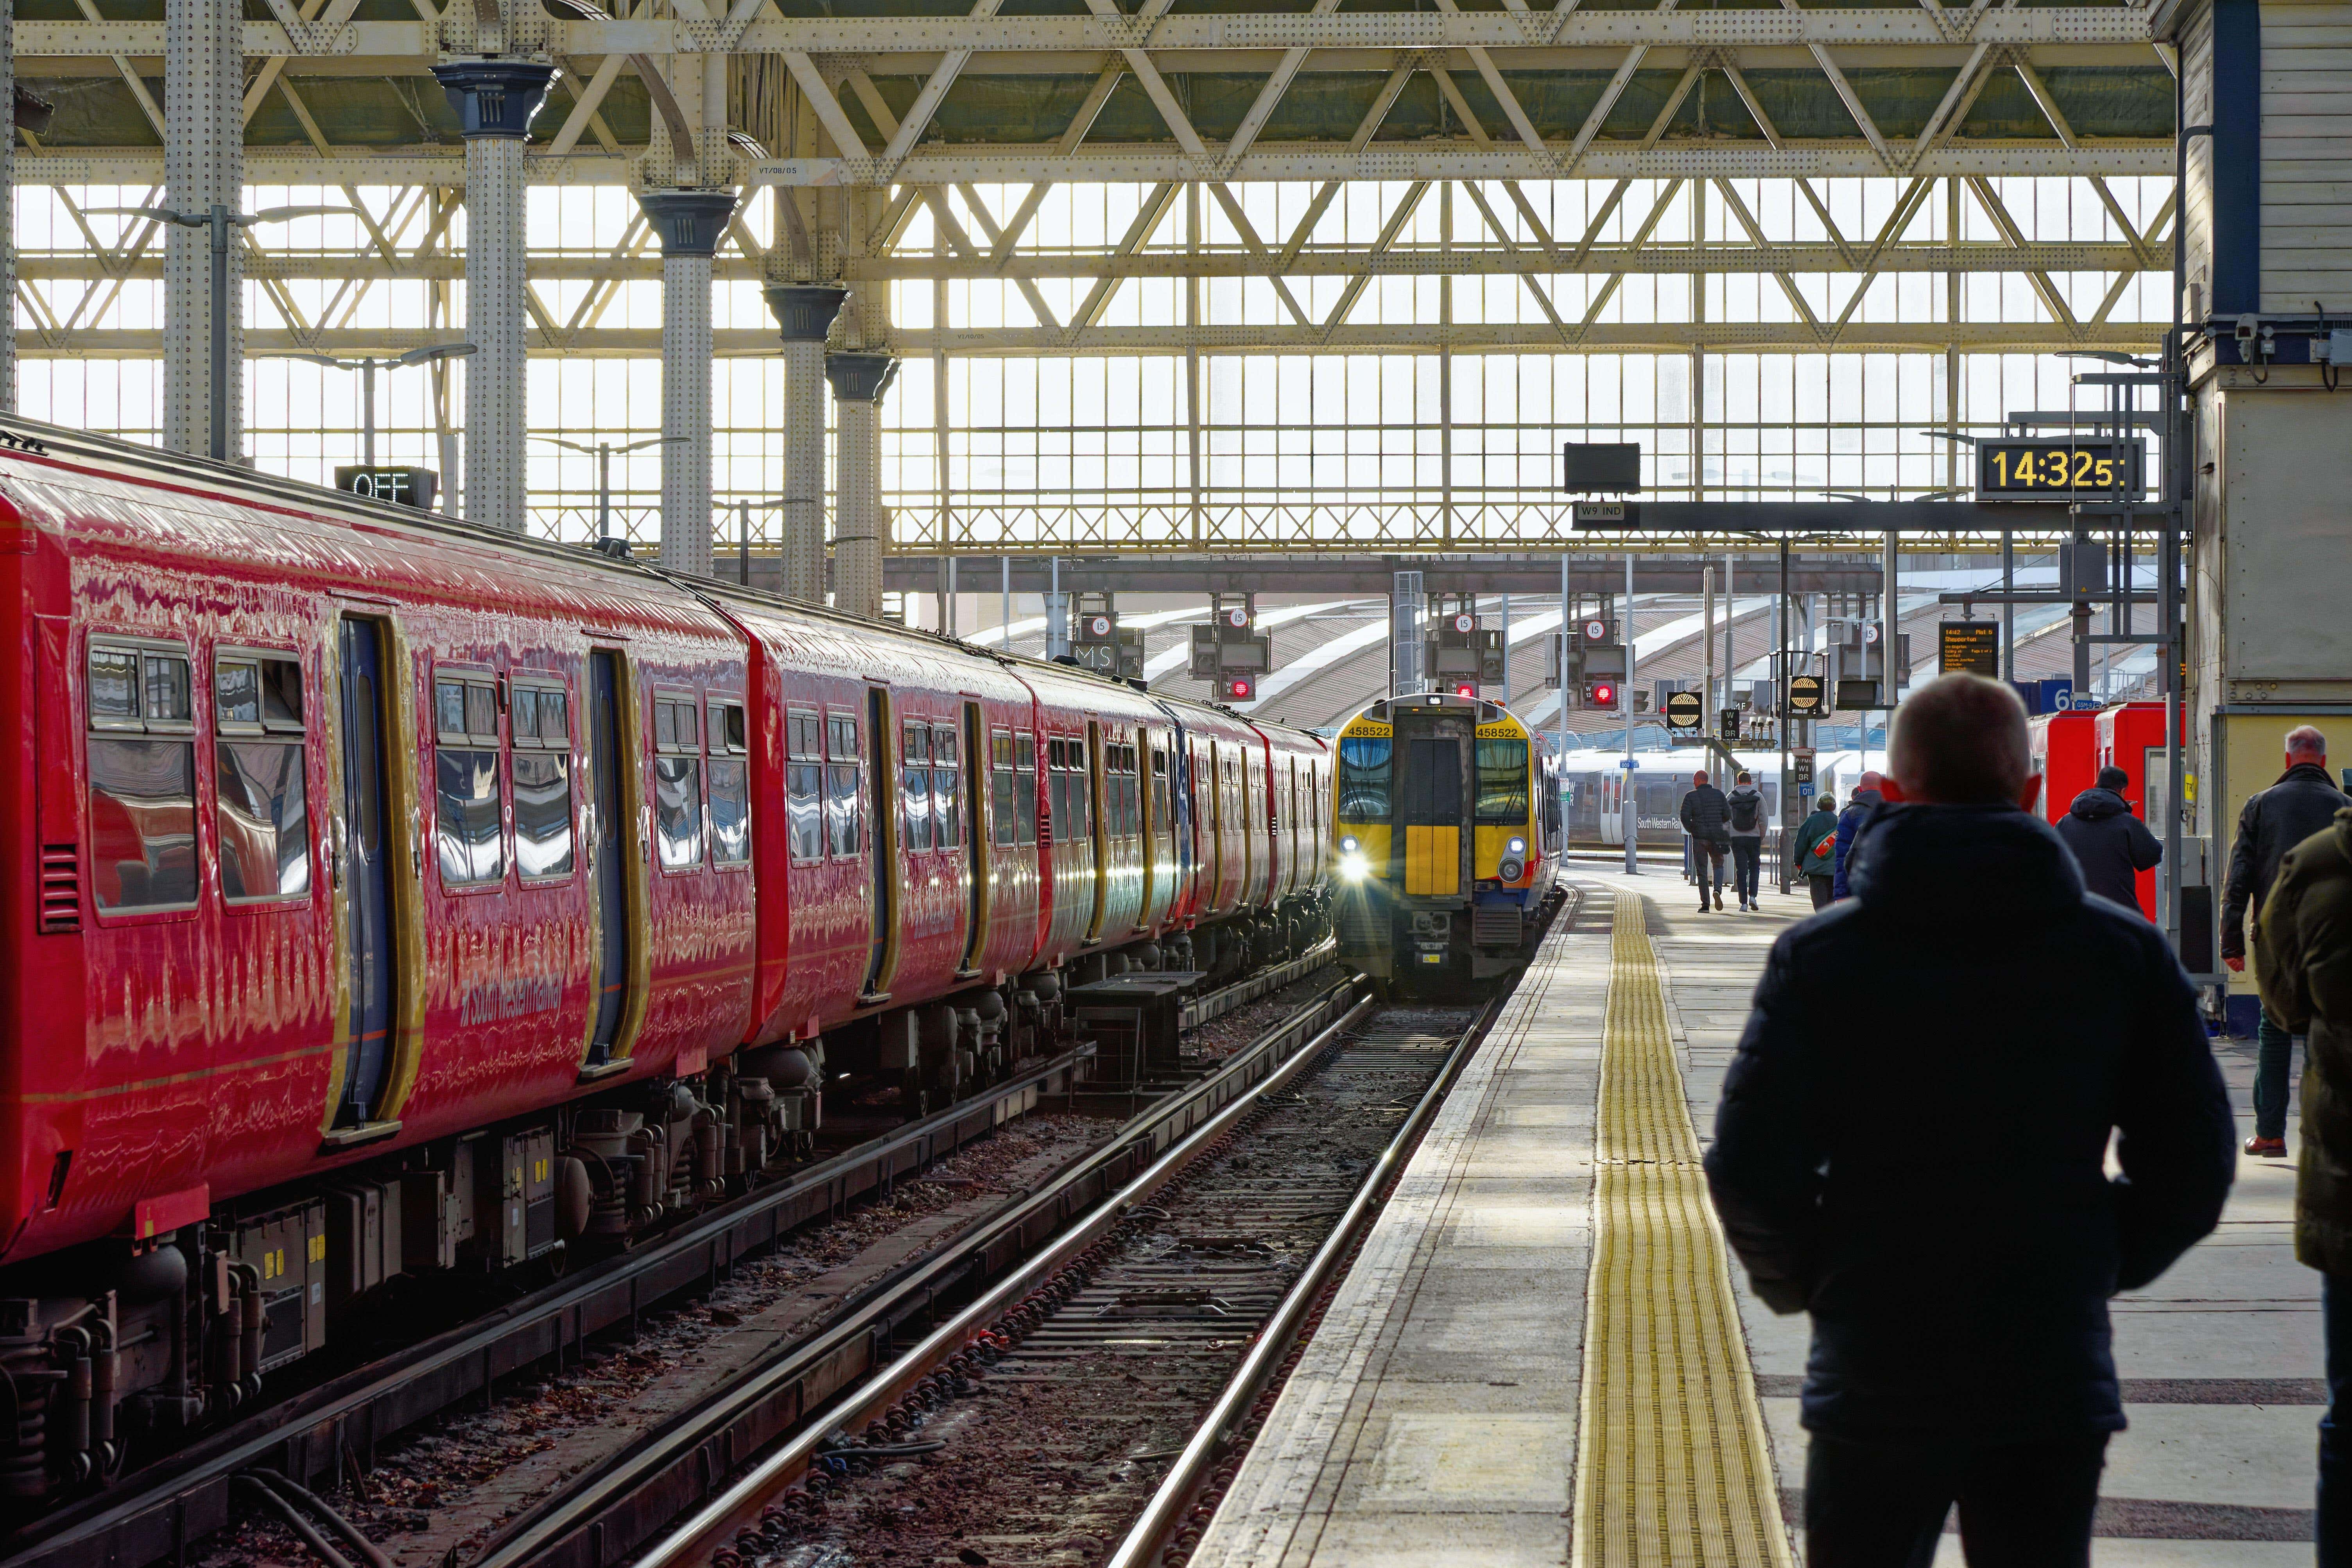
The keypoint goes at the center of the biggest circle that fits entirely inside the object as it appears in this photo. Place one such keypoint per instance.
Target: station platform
(1544, 1354)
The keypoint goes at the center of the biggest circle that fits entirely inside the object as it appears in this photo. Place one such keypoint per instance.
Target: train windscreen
(1364, 778)
(1502, 782)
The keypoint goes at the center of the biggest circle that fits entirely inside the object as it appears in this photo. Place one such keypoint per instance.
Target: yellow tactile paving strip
(1673, 1465)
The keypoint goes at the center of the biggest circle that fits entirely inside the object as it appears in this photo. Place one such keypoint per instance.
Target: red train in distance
(386, 897)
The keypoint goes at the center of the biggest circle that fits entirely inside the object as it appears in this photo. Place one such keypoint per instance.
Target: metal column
(1626, 711)
(495, 100)
(203, 168)
(1404, 634)
(689, 225)
(805, 314)
(860, 382)
(8, 209)
(1781, 721)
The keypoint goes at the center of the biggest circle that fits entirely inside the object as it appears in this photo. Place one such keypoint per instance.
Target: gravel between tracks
(450, 1483)
(1051, 1452)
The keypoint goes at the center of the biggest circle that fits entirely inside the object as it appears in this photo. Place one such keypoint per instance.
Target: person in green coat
(2304, 963)
(1815, 855)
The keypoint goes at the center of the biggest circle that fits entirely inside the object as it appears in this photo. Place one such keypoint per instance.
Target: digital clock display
(2058, 468)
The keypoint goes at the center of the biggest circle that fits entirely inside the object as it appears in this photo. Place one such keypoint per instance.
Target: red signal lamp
(1465, 690)
(1241, 688)
(1604, 695)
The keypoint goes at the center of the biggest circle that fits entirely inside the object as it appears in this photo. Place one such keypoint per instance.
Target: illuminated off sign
(401, 486)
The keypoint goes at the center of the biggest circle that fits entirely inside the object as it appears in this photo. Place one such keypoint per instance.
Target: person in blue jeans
(2303, 801)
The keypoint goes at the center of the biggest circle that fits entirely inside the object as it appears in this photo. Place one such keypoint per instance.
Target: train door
(1095, 785)
(977, 837)
(608, 862)
(1432, 813)
(365, 873)
(881, 842)
(1151, 801)
(1216, 766)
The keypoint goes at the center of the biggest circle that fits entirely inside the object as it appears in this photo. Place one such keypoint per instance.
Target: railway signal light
(1601, 694)
(1241, 688)
(1465, 689)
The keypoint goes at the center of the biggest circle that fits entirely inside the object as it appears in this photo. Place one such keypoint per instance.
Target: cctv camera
(2247, 326)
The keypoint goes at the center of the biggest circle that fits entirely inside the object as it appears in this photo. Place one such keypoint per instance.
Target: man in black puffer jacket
(1930, 1186)
(1707, 817)
(2111, 845)
(2303, 802)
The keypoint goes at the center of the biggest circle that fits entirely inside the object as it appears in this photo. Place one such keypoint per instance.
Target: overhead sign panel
(1805, 695)
(1685, 710)
(1970, 646)
(1602, 468)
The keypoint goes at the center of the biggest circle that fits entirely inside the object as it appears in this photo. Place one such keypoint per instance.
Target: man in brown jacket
(2305, 964)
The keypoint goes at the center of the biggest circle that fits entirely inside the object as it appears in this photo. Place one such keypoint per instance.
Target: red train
(387, 897)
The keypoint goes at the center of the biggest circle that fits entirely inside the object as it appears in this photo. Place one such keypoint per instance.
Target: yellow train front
(1446, 830)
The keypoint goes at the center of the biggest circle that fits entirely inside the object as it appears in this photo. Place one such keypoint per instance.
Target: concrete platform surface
(1435, 1417)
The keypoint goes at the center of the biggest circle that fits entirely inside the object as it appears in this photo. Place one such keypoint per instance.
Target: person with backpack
(1705, 814)
(1745, 807)
(1816, 849)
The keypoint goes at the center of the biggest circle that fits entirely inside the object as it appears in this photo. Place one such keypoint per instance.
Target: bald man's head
(2306, 744)
(1960, 740)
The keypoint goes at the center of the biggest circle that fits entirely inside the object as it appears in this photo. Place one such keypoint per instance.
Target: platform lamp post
(603, 452)
(367, 369)
(220, 220)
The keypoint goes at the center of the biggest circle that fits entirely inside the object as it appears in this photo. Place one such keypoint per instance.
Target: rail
(603, 1515)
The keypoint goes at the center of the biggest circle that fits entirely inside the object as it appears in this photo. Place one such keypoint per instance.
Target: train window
(946, 824)
(469, 845)
(1159, 819)
(539, 719)
(1067, 791)
(915, 784)
(1122, 791)
(730, 784)
(262, 816)
(677, 782)
(805, 784)
(1502, 782)
(1364, 769)
(1024, 785)
(1004, 830)
(143, 778)
(844, 833)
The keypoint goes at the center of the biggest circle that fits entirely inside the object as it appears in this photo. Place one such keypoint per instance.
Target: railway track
(1060, 1376)
(334, 1429)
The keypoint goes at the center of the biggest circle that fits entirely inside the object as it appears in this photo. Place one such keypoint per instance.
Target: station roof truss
(1000, 102)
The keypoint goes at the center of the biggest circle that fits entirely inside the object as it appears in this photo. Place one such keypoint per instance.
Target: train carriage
(1447, 835)
(390, 897)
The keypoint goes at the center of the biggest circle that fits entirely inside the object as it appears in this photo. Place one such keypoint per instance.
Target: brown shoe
(2268, 1147)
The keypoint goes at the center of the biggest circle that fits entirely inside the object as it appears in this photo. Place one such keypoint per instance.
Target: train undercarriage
(113, 1351)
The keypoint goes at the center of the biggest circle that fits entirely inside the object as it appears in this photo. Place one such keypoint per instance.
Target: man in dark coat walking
(2302, 801)
(2110, 844)
(1931, 1187)
(1707, 817)
(2304, 962)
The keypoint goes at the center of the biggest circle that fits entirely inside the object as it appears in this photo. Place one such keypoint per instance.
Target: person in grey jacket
(1706, 818)
(2110, 844)
(1745, 807)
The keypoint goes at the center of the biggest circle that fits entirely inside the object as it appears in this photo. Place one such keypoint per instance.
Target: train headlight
(1515, 847)
(1352, 867)
(1347, 844)
(1512, 870)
